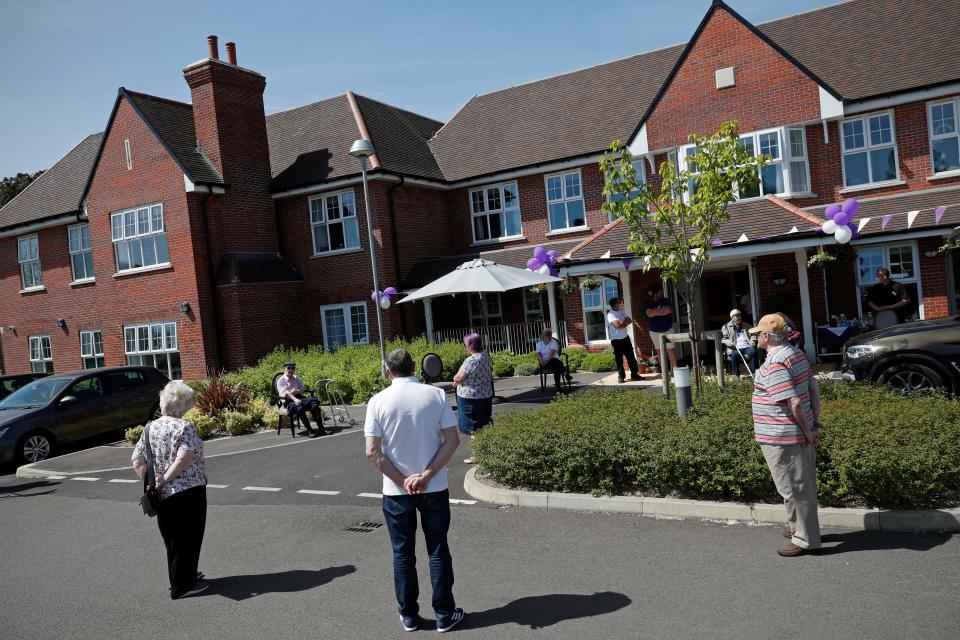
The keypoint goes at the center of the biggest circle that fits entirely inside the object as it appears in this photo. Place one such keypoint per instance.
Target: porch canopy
(478, 276)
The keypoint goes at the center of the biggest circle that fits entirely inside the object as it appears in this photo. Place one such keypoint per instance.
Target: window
(771, 174)
(28, 255)
(81, 255)
(496, 212)
(641, 176)
(533, 306)
(344, 324)
(798, 168)
(565, 201)
(154, 345)
(41, 356)
(596, 303)
(869, 150)
(494, 309)
(900, 259)
(333, 219)
(123, 380)
(139, 240)
(86, 389)
(944, 139)
(91, 349)
(126, 152)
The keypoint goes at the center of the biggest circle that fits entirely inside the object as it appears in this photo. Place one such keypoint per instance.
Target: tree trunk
(694, 335)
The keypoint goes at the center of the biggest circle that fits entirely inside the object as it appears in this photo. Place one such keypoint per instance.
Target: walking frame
(333, 398)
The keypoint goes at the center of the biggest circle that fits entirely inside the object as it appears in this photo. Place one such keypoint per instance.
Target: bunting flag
(743, 238)
(885, 220)
(606, 256)
(626, 263)
(938, 213)
(716, 241)
(795, 230)
(863, 222)
(911, 216)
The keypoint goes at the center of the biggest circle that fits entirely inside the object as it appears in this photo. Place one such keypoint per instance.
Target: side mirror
(66, 401)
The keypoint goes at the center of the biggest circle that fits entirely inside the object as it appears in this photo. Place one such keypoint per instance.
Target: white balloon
(843, 235)
(384, 302)
(545, 269)
(830, 227)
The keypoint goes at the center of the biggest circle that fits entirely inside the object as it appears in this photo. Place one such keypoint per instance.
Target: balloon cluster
(839, 222)
(383, 297)
(544, 262)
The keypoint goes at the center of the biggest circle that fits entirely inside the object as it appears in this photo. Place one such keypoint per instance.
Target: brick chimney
(231, 131)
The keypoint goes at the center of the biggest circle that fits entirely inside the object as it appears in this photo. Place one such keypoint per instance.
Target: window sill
(338, 252)
(478, 243)
(804, 194)
(871, 186)
(30, 290)
(133, 272)
(80, 283)
(561, 232)
(943, 175)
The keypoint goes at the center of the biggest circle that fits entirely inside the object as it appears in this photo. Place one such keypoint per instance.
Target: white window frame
(148, 229)
(885, 249)
(345, 310)
(81, 251)
(943, 136)
(540, 313)
(864, 120)
(127, 154)
(320, 220)
(792, 159)
(487, 212)
(476, 315)
(640, 170)
(40, 353)
(91, 348)
(30, 263)
(565, 199)
(169, 344)
(603, 308)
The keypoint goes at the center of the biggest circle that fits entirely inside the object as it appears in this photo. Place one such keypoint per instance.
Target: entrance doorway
(722, 291)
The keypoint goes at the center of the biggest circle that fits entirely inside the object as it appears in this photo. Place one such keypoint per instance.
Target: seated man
(548, 355)
(290, 388)
(738, 341)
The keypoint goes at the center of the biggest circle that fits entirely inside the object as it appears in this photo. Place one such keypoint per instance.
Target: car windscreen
(36, 394)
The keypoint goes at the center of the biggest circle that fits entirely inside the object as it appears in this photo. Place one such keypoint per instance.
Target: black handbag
(150, 500)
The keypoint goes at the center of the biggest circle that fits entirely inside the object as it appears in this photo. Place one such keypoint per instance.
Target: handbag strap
(151, 479)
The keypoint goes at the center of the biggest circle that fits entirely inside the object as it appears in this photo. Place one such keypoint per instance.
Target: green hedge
(877, 448)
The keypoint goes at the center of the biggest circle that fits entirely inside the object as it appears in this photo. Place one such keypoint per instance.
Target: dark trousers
(182, 519)
(750, 353)
(307, 404)
(558, 368)
(400, 513)
(624, 348)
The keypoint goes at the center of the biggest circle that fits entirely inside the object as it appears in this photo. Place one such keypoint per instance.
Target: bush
(132, 435)
(263, 414)
(206, 425)
(526, 369)
(220, 394)
(597, 362)
(503, 363)
(877, 448)
(238, 422)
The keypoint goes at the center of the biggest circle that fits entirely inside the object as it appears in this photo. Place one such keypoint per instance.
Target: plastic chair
(431, 367)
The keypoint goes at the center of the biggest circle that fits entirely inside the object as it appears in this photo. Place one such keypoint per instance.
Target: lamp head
(362, 148)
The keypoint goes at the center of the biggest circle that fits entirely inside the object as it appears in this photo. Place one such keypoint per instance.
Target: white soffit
(830, 107)
(638, 146)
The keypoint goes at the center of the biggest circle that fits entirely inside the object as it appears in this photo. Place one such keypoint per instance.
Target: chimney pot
(232, 53)
(212, 45)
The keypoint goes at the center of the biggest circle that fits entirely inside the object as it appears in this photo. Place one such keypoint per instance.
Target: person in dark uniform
(888, 295)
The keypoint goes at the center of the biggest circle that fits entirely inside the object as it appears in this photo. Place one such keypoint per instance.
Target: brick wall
(773, 298)
(933, 281)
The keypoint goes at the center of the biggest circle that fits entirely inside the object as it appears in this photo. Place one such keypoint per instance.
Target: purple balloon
(534, 263)
(854, 231)
(374, 296)
(389, 291)
(554, 272)
(842, 219)
(850, 207)
(831, 211)
(540, 254)
(552, 254)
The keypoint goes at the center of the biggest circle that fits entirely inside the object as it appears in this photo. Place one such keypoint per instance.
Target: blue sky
(63, 60)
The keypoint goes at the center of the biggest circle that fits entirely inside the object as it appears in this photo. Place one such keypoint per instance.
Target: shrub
(132, 435)
(238, 422)
(526, 369)
(205, 424)
(503, 363)
(597, 362)
(219, 394)
(576, 355)
(877, 448)
(263, 413)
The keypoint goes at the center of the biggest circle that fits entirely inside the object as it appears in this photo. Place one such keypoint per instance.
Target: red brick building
(202, 235)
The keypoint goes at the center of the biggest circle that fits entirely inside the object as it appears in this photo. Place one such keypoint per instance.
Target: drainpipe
(221, 350)
(396, 248)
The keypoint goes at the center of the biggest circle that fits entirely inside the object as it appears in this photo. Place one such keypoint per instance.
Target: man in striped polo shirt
(786, 409)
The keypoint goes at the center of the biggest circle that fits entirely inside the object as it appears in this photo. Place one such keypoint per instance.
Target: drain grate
(364, 526)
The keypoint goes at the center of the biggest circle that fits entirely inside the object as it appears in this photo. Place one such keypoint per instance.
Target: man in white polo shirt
(411, 434)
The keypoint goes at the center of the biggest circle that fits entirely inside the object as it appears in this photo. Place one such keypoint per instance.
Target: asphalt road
(79, 560)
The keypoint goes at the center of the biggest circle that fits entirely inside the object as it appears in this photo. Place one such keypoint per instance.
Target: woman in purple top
(182, 483)
(474, 384)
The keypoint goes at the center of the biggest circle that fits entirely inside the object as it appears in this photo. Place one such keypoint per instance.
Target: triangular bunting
(885, 220)
(911, 216)
(793, 230)
(863, 222)
(606, 256)
(938, 213)
(743, 238)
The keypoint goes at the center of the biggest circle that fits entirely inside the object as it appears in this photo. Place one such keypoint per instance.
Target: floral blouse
(479, 381)
(167, 436)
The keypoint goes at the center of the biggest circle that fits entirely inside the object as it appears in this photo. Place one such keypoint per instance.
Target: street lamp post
(363, 149)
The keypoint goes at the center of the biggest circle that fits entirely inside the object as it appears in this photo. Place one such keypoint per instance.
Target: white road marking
(83, 479)
(261, 489)
(124, 480)
(54, 477)
(319, 493)
(459, 501)
(369, 495)
(217, 486)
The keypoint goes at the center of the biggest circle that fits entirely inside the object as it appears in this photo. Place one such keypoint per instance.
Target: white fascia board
(873, 104)
(638, 146)
(318, 188)
(188, 185)
(59, 221)
(530, 171)
(830, 107)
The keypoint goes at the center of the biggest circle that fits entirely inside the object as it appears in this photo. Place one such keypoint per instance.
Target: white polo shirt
(545, 349)
(616, 333)
(409, 415)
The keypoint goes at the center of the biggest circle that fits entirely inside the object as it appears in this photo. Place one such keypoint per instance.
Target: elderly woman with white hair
(182, 486)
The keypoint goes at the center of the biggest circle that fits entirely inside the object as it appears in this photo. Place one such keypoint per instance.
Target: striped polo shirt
(785, 374)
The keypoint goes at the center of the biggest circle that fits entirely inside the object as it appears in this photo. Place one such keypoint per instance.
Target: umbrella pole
(486, 340)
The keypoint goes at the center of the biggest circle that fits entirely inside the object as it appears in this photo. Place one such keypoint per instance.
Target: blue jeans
(750, 353)
(473, 414)
(400, 513)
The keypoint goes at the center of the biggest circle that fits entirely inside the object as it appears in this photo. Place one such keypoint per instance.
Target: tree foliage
(673, 227)
(11, 186)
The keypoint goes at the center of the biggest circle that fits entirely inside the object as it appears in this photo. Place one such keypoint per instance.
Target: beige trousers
(794, 470)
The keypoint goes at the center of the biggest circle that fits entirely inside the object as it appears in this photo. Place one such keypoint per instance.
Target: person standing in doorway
(411, 434)
(888, 295)
(660, 317)
(617, 324)
(786, 410)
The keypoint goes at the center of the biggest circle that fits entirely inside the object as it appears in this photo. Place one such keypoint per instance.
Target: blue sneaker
(410, 624)
(455, 618)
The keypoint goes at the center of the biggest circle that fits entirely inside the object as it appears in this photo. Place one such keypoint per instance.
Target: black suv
(10, 383)
(907, 357)
(65, 407)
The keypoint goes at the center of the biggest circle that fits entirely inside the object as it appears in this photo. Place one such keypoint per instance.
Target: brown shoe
(787, 532)
(791, 550)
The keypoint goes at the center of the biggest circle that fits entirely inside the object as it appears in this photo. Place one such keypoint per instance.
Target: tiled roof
(173, 123)
(57, 190)
(899, 207)
(310, 144)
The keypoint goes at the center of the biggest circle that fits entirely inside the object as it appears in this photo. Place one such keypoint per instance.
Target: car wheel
(911, 377)
(34, 447)
(155, 412)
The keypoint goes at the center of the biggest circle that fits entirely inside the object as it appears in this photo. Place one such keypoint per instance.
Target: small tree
(673, 228)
